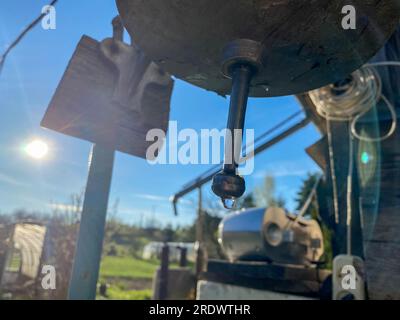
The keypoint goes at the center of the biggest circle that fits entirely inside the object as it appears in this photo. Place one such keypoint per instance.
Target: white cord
(354, 98)
(333, 174)
(350, 101)
(350, 194)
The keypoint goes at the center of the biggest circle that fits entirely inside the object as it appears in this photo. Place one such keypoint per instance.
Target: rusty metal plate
(307, 46)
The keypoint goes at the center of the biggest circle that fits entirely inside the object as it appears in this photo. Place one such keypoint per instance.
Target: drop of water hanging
(229, 203)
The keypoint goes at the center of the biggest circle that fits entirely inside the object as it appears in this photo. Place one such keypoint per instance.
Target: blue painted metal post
(86, 266)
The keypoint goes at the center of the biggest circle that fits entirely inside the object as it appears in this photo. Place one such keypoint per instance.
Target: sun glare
(37, 149)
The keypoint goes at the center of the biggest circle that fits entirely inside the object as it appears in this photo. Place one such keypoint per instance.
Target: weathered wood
(86, 103)
(383, 245)
(317, 153)
(310, 111)
(340, 146)
(306, 45)
(380, 194)
(266, 276)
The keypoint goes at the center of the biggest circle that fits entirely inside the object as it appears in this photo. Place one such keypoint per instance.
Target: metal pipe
(89, 247)
(241, 77)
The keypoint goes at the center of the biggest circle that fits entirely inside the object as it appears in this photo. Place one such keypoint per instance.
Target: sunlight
(37, 149)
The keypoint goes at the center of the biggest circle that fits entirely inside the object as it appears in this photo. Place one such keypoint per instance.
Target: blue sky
(27, 83)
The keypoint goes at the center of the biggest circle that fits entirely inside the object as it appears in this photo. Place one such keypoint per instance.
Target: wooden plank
(317, 152)
(306, 45)
(207, 290)
(383, 270)
(383, 246)
(266, 276)
(83, 104)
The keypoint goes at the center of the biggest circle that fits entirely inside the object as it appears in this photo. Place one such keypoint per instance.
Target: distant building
(153, 251)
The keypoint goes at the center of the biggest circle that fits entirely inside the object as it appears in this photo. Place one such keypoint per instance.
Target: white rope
(350, 194)
(355, 97)
(333, 171)
(349, 101)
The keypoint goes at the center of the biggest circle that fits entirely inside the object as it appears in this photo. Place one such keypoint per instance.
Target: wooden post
(201, 249)
(200, 218)
(8, 254)
(164, 270)
(183, 257)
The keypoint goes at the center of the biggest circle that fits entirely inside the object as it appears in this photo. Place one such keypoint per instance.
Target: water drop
(229, 203)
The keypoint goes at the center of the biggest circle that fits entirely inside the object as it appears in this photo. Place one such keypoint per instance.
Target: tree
(304, 193)
(247, 202)
(313, 212)
(69, 213)
(210, 228)
(168, 233)
(265, 194)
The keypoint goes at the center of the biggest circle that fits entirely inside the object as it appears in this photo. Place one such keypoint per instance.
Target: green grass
(120, 272)
(127, 267)
(123, 269)
(115, 293)
(15, 262)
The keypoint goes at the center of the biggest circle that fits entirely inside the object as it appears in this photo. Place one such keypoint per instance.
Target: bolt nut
(243, 51)
(228, 186)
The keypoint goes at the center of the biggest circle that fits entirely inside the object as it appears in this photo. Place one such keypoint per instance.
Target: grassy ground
(114, 293)
(127, 267)
(127, 278)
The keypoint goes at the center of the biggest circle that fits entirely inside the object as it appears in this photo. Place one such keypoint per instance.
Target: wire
(276, 127)
(352, 98)
(349, 100)
(387, 135)
(350, 193)
(22, 35)
(333, 171)
(344, 100)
